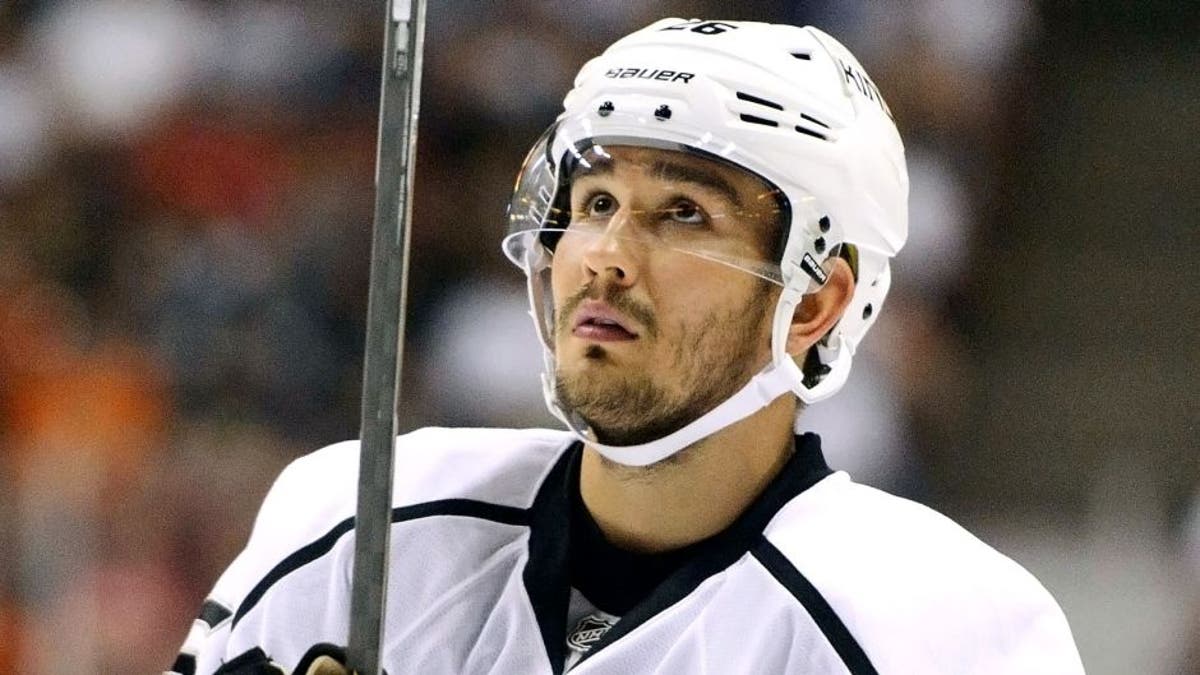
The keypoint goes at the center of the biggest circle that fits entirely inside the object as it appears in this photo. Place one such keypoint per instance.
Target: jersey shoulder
(917, 588)
(497, 466)
(316, 495)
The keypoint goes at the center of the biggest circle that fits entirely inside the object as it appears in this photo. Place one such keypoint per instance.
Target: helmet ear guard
(823, 369)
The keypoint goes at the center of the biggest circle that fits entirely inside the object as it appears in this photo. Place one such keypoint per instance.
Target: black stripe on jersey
(213, 613)
(826, 619)
(546, 573)
(508, 515)
(185, 664)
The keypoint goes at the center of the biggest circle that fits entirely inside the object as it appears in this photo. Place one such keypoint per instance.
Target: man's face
(650, 332)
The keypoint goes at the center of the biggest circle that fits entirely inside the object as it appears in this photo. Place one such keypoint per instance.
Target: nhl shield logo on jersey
(588, 631)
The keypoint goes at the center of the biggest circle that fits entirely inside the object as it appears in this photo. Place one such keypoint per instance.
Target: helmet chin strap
(769, 384)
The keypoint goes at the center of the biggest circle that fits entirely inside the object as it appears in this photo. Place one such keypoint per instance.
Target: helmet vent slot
(803, 56)
(758, 120)
(760, 101)
(810, 132)
(814, 120)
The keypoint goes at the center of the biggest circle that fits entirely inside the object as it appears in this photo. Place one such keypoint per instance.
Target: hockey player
(706, 231)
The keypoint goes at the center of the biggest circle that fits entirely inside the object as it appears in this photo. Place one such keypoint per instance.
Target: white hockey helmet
(790, 105)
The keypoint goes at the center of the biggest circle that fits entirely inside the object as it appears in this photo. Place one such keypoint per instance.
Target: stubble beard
(715, 358)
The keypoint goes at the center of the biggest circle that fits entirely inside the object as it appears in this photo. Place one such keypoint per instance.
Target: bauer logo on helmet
(648, 74)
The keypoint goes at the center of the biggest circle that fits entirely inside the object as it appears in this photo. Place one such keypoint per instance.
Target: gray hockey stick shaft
(399, 105)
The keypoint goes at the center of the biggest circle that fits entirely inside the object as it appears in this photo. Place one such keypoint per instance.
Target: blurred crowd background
(185, 204)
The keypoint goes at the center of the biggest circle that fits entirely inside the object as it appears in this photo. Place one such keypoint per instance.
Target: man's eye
(601, 205)
(687, 212)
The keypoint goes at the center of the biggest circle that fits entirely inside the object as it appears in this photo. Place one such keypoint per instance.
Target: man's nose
(614, 251)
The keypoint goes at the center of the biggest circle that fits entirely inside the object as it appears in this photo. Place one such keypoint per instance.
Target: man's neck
(696, 493)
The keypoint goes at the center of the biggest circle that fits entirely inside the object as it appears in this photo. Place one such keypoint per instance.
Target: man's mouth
(599, 322)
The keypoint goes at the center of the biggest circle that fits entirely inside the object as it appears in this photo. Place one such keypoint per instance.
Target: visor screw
(824, 223)
(819, 244)
(605, 109)
(867, 312)
(663, 112)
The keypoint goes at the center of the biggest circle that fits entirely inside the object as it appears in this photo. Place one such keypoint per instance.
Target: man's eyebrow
(665, 169)
(686, 173)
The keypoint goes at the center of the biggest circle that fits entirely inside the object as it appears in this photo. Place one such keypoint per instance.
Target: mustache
(614, 297)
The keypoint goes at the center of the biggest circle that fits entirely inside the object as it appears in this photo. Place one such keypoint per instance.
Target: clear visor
(526, 246)
(584, 190)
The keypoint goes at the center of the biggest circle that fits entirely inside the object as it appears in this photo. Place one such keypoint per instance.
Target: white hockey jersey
(819, 576)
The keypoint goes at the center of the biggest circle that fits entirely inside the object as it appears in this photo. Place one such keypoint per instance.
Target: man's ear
(818, 312)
